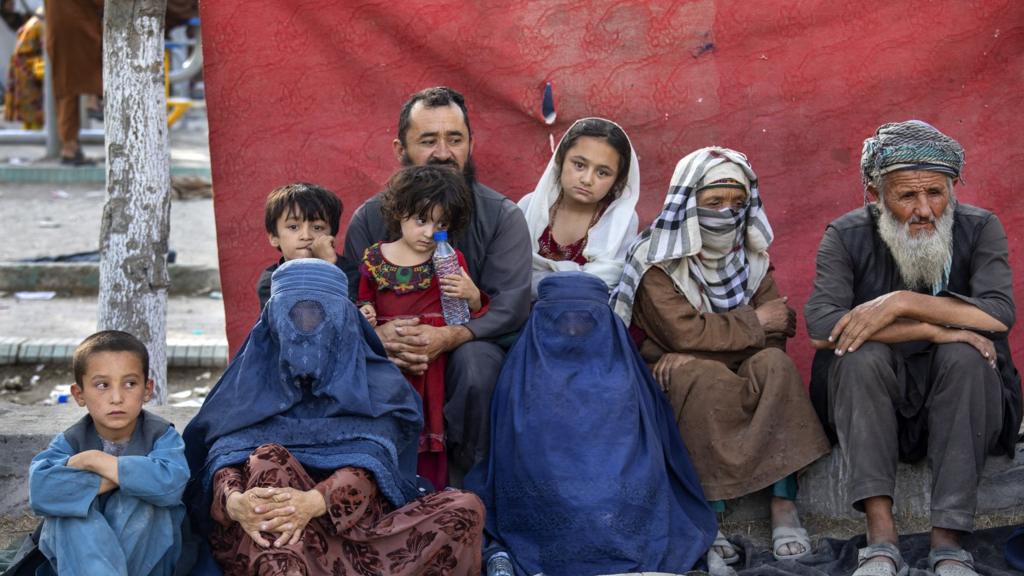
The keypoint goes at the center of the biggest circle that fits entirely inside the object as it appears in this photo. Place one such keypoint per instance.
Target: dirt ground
(15, 528)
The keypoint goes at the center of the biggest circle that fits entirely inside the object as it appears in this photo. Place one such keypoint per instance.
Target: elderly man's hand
(666, 364)
(983, 345)
(861, 323)
(777, 316)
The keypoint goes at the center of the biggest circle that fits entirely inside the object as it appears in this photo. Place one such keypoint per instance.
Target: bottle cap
(441, 236)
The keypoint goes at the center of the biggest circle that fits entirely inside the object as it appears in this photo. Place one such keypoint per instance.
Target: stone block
(192, 355)
(29, 352)
(9, 346)
(83, 277)
(823, 490)
(823, 487)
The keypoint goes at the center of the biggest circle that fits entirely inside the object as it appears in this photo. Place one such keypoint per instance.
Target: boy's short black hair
(305, 200)
(108, 341)
(416, 190)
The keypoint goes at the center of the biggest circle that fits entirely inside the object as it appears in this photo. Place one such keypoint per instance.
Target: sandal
(886, 550)
(78, 159)
(784, 535)
(722, 542)
(962, 565)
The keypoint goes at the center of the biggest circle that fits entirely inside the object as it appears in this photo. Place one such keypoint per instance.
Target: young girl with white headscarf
(582, 214)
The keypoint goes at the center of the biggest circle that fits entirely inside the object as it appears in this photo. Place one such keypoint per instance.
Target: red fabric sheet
(311, 90)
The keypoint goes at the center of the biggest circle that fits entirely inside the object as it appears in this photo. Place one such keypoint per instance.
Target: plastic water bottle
(446, 263)
(500, 565)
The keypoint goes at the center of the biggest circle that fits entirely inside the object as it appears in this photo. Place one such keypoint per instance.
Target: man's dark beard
(468, 171)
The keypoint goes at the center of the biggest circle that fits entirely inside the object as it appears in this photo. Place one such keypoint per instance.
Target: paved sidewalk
(60, 215)
(47, 331)
(22, 163)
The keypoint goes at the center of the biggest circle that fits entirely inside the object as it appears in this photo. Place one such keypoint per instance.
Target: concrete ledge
(90, 174)
(193, 353)
(27, 430)
(823, 487)
(823, 491)
(84, 277)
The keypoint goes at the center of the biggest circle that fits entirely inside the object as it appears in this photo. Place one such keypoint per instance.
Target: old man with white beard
(911, 308)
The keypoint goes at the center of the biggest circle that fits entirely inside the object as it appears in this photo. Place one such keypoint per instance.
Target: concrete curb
(83, 278)
(192, 353)
(81, 174)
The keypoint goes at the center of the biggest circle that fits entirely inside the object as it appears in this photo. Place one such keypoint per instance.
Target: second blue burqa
(587, 473)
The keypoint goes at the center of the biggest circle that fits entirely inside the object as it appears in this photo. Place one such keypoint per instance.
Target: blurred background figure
(23, 96)
(74, 43)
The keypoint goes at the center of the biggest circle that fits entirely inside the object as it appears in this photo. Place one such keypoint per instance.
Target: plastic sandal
(722, 542)
(885, 549)
(784, 535)
(963, 564)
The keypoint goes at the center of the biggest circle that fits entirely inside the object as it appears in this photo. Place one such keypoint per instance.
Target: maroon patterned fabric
(548, 248)
(438, 534)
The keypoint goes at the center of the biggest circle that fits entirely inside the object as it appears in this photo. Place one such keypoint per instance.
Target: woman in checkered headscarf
(699, 285)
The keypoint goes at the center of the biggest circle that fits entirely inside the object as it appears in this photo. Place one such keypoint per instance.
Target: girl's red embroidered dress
(405, 292)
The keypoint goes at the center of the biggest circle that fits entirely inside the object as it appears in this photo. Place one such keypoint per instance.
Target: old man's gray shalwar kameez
(915, 399)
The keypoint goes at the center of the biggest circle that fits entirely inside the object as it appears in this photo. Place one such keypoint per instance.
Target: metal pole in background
(50, 111)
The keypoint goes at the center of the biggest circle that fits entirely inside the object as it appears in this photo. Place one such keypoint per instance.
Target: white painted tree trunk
(136, 217)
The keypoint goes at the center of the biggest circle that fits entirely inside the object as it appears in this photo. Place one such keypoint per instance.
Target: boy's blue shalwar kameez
(134, 529)
(587, 472)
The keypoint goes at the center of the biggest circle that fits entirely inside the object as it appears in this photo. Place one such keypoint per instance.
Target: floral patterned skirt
(438, 534)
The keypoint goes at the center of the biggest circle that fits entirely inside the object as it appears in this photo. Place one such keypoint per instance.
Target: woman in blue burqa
(587, 472)
(303, 456)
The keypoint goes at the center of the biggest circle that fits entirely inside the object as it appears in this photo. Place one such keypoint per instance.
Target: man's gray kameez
(496, 245)
(916, 399)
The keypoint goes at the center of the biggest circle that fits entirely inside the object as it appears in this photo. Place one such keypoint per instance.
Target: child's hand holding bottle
(462, 287)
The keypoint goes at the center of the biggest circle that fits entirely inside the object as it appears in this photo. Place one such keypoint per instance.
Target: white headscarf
(607, 240)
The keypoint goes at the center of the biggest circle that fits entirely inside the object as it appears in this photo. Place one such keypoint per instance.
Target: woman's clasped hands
(281, 511)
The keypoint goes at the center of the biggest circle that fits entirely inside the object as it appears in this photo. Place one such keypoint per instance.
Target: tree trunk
(136, 217)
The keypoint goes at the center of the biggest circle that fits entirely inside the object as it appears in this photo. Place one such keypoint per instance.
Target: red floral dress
(360, 534)
(413, 291)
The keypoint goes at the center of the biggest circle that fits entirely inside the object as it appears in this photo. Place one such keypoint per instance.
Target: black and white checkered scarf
(713, 277)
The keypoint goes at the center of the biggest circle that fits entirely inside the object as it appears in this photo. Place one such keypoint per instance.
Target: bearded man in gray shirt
(433, 128)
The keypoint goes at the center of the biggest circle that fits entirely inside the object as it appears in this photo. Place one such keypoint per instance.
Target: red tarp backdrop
(311, 89)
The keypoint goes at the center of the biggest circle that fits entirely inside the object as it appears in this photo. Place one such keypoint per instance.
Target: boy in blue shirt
(109, 487)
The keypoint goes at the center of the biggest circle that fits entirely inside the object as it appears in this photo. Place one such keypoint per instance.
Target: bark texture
(136, 218)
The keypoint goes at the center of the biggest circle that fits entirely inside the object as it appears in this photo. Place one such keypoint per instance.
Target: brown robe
(741, 407)
(74, 42)
(360, 534)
